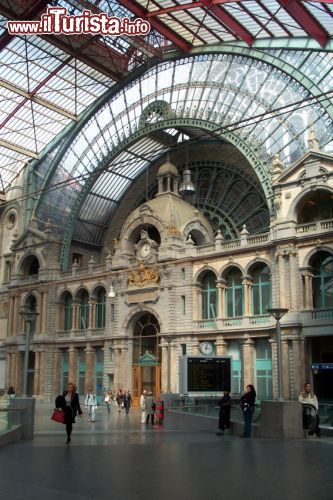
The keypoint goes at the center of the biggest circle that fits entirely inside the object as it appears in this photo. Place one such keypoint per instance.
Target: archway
(146, 360)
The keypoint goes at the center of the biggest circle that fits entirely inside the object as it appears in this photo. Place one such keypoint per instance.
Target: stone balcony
(236, 323)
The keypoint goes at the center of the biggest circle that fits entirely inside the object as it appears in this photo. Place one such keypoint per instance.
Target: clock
(145, 250)
(206, 348)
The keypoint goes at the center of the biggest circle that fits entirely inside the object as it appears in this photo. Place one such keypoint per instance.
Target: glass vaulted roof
(236, 98)
(47, 82)
(85, 111)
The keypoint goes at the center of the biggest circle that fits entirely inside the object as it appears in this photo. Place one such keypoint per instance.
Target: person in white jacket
(143, 406)
(91, 402)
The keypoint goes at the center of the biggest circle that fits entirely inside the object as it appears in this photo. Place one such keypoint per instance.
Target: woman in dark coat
(224, 413)
(70, 404)
(247, 404)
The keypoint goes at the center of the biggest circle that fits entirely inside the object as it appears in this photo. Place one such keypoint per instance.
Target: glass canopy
(233, 98)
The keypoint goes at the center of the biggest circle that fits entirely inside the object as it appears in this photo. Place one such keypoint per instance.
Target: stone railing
(322, 314)
(237, 322)
(258, 239)
(80, 333)
(206, 323)
(317, 226)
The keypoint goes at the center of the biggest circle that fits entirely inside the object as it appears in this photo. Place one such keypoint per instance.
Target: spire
(312, 139)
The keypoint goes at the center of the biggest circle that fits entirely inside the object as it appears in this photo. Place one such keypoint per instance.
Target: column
(164, 367)
(8, 377)
(75, 314)
(10, 327)
(198, 303)
(57, 379)
(247, 296)
(195, 347)
(173, 367)
(16, 316)
(18, 370)
(72, 362)
(282, 280)
(307, 276)
(274, 368)
(42, 361)
(36, 374)
(285, 368)
(92, 314)
(293, 281)
(221, 346)
(221, 287)
(44, 311)
(116, 373)
(39, 307)
(298, 347)
(90, 368)
(124, 366)
(248, 362)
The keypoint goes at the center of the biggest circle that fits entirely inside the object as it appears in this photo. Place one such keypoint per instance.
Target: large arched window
(66, 314)
(234, 294)
(261, 289)
(83, 298)
(100, 309)
(209, 296)
(30, 266)
(322, 281)
(145, 338)
(315, 206)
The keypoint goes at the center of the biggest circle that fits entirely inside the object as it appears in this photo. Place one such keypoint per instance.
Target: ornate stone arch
(24, 259)
(313, 252)
(201, 272)
(136, 312)
(228, 266)
(297, 200)
(257, 261)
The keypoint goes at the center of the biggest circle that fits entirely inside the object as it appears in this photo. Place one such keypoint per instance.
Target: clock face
(145, 250)
(206, 347)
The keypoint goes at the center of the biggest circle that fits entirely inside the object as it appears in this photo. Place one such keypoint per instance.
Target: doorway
(146, 369)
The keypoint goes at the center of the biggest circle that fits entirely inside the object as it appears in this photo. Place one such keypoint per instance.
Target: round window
(11, 220)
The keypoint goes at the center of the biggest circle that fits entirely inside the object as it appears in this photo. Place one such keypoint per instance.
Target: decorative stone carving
(143, 276)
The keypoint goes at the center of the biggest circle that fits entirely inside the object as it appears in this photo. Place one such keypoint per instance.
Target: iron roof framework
(257, 74)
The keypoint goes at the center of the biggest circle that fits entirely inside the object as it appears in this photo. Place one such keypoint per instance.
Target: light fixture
(187, 187)
(111, 293)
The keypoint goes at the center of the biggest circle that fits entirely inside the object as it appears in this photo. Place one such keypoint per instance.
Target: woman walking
(70, 404)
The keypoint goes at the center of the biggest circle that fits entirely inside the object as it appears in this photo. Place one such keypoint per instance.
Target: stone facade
(165, 250)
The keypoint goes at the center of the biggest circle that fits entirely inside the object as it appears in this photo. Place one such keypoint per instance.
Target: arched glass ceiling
(228, 91)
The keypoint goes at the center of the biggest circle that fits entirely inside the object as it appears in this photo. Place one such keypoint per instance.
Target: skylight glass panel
(323, 17)
(243, 18)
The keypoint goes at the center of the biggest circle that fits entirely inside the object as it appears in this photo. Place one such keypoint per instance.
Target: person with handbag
(247, 403)
(91, 403)
(70, 404)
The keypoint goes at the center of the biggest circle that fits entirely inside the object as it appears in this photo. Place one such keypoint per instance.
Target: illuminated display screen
(208, 374)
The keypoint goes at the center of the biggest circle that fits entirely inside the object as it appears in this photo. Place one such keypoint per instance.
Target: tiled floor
(117, 457)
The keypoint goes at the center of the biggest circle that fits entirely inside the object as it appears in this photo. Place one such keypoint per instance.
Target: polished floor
(117, 457)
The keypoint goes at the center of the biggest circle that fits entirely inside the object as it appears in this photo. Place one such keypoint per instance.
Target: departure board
(206, 374)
